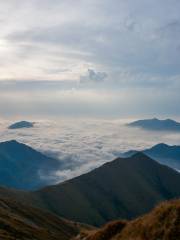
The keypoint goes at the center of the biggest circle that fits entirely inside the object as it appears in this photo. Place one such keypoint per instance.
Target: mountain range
(156, 124)
(123, 188)
(163, 153)
(22, 167)
(21, 124)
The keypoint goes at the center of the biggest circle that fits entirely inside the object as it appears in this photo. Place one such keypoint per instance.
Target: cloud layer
(84, 144)
(90, 98)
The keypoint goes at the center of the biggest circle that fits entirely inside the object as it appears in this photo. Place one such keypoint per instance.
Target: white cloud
(130, 47)
(122, 98)
(83, 144)
(141, 36)
(93, 76)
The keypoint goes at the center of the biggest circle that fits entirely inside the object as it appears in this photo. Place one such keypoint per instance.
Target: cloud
(170, 30)
(130, 49)
(121, 98)
(83, 144)
(103, 35)
(93, 76)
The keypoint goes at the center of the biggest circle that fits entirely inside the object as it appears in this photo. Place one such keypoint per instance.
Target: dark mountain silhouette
(163, 153)
(123, 188)
(161, 223)
(156, 124)
(21, 124)
(19, 221)
(22, 167)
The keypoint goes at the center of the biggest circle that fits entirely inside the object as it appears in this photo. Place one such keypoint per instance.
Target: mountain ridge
(21, 124)
(163, 153)
(156, 124)
(28, 164)
(123, 188)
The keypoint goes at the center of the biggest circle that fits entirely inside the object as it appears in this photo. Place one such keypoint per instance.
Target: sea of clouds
(84, 144)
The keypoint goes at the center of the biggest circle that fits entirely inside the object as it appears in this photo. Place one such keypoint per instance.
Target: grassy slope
(18, 221)
(162, 223)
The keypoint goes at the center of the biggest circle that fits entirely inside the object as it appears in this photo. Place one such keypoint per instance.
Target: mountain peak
(161, 146)
(156, 124)
(140, 155)
(27, 163)
(21, 124)
(163, 153)
(13, 141)
(125, 187)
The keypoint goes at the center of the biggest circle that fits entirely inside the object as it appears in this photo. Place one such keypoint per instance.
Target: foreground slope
(18, 221)
(162, 223)
(22, 167)
(123, 188)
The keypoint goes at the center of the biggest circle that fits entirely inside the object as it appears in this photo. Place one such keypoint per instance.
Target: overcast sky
(90, 57)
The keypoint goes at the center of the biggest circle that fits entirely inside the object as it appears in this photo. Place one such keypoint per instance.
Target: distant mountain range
(21, 124)
(156, 124)
(161, 223)
(22, 167)
(163, 153)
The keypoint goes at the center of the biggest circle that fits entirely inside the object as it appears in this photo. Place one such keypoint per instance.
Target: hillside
(123, 188)
(156, 124)
(22, 167)
(21, 222)
(163, 153)
(162, 223)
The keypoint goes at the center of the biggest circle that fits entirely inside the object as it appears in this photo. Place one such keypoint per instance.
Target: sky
(95, 58)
